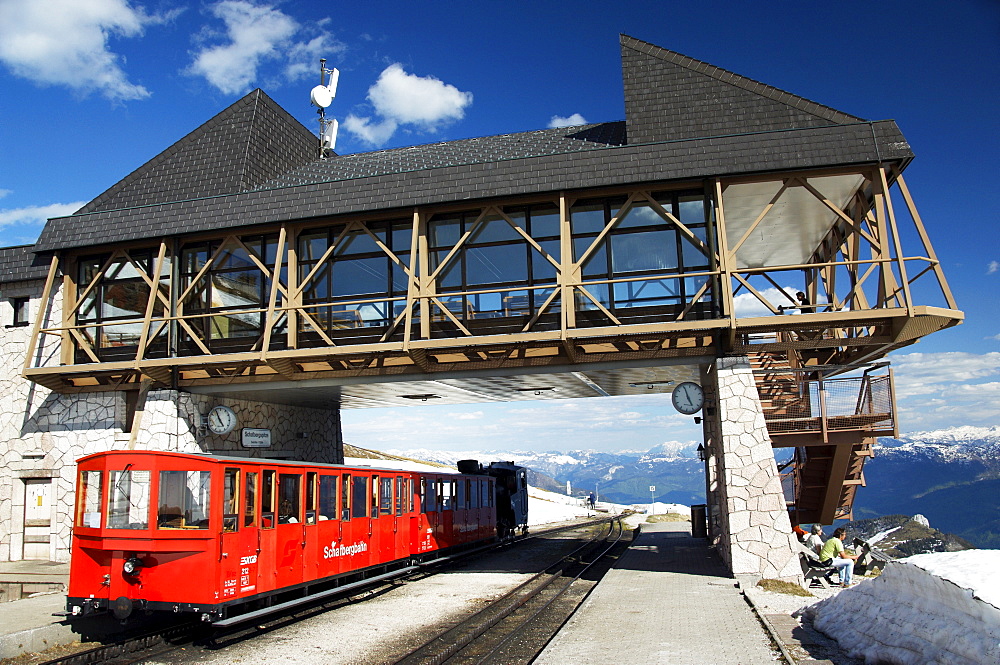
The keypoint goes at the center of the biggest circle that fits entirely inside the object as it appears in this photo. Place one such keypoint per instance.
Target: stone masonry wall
(754, 534)
(42, 433)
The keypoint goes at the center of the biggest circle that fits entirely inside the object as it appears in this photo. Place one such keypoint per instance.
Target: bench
(812, 570)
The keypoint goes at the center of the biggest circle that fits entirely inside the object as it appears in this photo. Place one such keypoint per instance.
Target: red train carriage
(219, 535)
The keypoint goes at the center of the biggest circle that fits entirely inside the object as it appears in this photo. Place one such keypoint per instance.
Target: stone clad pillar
(750, 525)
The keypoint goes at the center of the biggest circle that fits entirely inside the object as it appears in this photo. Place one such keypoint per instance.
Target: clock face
(221, 420)
(688, 397)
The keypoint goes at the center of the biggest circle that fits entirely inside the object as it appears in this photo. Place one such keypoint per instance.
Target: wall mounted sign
(255, 438)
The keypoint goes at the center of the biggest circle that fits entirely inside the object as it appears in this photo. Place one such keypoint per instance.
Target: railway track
(517, 626)
(163, 645)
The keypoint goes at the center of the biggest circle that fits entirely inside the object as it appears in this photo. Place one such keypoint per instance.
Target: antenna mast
(322, 96)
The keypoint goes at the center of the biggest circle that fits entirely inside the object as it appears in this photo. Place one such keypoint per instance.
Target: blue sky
(91, 89)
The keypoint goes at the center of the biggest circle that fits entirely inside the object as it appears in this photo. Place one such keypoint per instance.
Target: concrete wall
(750, 525)
(42, 433)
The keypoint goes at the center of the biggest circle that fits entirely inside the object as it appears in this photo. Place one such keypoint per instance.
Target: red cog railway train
(228, 536)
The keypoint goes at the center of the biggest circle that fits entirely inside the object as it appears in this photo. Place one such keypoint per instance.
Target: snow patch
(929, 608)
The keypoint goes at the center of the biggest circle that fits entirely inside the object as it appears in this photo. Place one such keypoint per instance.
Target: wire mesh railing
(793, 405)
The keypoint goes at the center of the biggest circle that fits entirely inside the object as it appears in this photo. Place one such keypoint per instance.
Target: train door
(291, 536)
(311, 542)
(400, 521)
(383, 538)
(329, 524)
(249, 533)
(353, 551)
(266, 535)
(237, 548)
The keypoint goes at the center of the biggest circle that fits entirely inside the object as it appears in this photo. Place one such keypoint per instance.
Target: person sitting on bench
(833, 554)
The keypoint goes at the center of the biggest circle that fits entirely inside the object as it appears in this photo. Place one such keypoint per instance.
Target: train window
(184, 499)
(374, 504)
(409, 495)
(446, 494)
(289, 498)
(462, 496)
(267, 501)
(385, 497)
(89, 508)
(128, 500)
(311, 497)
(345, 497)
(486, 495)
(250, 500)
(400, 494)
(359, 496)
(438, 494)
(328, 498)
(430, 496)
(473, 493)
(230, 499)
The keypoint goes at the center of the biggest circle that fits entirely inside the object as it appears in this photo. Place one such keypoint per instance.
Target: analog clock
(221, 420)
(688, 397)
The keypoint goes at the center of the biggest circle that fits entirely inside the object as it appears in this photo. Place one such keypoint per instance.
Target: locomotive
(227, 536)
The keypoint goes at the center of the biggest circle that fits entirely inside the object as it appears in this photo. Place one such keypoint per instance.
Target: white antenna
(322, 96)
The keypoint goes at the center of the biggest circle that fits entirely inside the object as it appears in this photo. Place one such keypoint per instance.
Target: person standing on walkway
(834, 554)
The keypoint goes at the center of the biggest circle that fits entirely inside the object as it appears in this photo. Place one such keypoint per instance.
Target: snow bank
(930, 608)
(661, 508)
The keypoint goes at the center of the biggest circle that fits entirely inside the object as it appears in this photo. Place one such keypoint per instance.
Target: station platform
(669, 599)
(33, 591)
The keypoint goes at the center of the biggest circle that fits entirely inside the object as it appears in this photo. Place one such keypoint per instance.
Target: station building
(236, 291)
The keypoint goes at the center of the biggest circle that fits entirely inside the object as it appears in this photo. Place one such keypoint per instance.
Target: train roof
(239, 459)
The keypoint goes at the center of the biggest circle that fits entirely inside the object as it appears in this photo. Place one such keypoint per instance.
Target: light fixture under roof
(538, 391)
(650, 384)
(423, 397)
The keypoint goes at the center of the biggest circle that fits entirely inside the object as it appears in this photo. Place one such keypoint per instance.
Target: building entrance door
(37, 517)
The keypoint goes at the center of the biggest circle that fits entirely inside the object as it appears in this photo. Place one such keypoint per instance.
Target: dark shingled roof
(248, 143)
(669, 96)
(453, 153)
(709, 123)
(19, 264)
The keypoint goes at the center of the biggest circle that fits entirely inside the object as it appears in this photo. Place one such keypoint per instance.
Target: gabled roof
(20, 264)
(246, 144)
(686, 120)
(669, 96)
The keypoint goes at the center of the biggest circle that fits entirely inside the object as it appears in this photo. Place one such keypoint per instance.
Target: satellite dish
(321, 96)
(329, 138)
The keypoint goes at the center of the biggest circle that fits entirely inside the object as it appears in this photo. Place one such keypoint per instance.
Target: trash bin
(699, 521)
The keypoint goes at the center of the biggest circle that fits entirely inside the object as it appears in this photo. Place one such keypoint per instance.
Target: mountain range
(950, 476)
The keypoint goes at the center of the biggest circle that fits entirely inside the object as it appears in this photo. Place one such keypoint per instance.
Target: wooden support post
(726, 263)
(154, 295)
(900, 258)
(140, 409)
(568, 274)
(922, 232)
(270, 318)
(42, 312)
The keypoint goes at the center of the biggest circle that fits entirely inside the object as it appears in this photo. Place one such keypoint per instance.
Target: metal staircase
(831, 422)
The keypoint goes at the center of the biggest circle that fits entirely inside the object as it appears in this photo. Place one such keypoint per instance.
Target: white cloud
(407, 99)
(568, 121)
(37, 215)
(254, 34)
(372, 133)
(5, 192)
(747, 304)
(65, 42)
(992, 267)
(939, 390)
